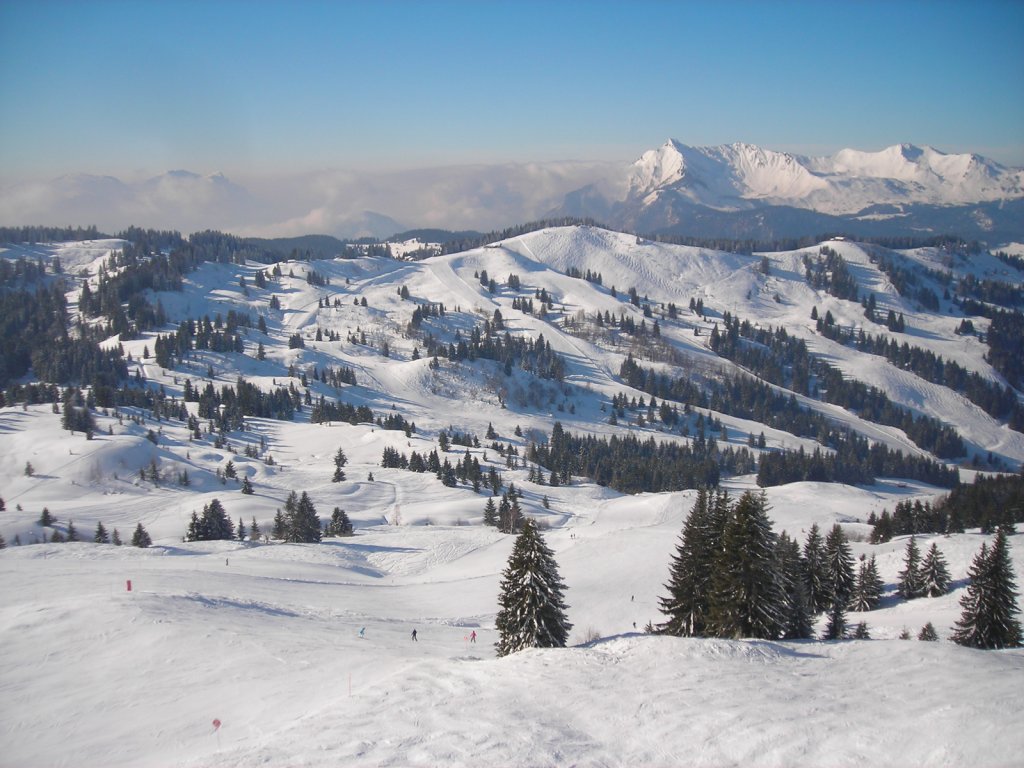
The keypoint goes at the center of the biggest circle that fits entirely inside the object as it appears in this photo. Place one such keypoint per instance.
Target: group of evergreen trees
(732, 576)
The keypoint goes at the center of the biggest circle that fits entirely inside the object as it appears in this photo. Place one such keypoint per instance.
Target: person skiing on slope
(472, 636)
(414, 636)
(362, 632)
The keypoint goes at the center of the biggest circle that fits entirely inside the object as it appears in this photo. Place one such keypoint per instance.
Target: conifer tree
(301, 521)
(339, 524)
(490, 512)
(798, 622)
(254, 530)
(867, 593)
(860, 632)
(814, 570)
(839, 578)
(746, 592)
(690, 571)
(241, 532)
(928, 633)
(72, 534)
(247, 486)
(278, 531)
(836, 627)
(911, 584)
(46, 519)
(101, 537)
(934, 573)
(3, 542)
(340, 460)
(990, 603)
(141, 538)
(531, 604)
(115, 538)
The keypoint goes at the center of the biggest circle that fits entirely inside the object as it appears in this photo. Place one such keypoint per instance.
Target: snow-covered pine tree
(254, 530)
(247, 486)
(240, 531)
(798, 623)
(278, 531)
(115, 538)
(72, 534)
(814, 570)
(747, 598)
(141, 538)
(990, 603)
(867, 593)
(928, 633)
(911, 584)
(689, 584)
(531, 604)
(101, 537)
(934, 573)
(839, 577)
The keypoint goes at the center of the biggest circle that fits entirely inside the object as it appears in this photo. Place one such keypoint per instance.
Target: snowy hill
(264, 636)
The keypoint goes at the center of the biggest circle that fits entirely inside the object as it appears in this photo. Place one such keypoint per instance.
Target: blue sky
(264, 88)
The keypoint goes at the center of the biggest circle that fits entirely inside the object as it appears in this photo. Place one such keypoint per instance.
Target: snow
(733, 176)
(265, 636)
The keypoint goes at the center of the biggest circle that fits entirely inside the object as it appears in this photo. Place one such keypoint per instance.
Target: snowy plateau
(232, 653)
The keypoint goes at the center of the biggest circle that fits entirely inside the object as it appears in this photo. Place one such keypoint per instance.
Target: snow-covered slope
(264, 636)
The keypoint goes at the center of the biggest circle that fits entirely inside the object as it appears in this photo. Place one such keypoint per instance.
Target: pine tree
(928, 633)
(814, 570)
(867, 593)
(531, 604)
(836, 627)
(46, 519)
(241, 532)
(490, 512)
(911, 584)
(247, 486)
(934, 573)
(115, 538)
(301, 521)
(339, 524)
(254, 530)
(747, 599)
(860, 632)
(990, 603)
(340, 460)
(101, 537)
(839, 578)
(690, 571)
(798, 623)
(3, 542)
(278, 531)
(141, 538)
(72, 534)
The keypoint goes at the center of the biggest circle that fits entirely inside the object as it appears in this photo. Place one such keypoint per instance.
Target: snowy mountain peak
(742, 176)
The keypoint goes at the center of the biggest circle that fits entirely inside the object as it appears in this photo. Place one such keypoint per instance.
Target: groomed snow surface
(265, 638)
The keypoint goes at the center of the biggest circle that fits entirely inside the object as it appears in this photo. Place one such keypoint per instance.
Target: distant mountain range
(742, 190)
(729, 191)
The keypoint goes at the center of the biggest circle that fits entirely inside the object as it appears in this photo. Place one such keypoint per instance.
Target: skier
(362, 632)
(414, 636)
(472, 636)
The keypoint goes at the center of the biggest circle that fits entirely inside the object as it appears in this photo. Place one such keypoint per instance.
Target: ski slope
(265, 637)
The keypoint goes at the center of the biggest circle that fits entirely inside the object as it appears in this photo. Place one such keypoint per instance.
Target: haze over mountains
(735, 190)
